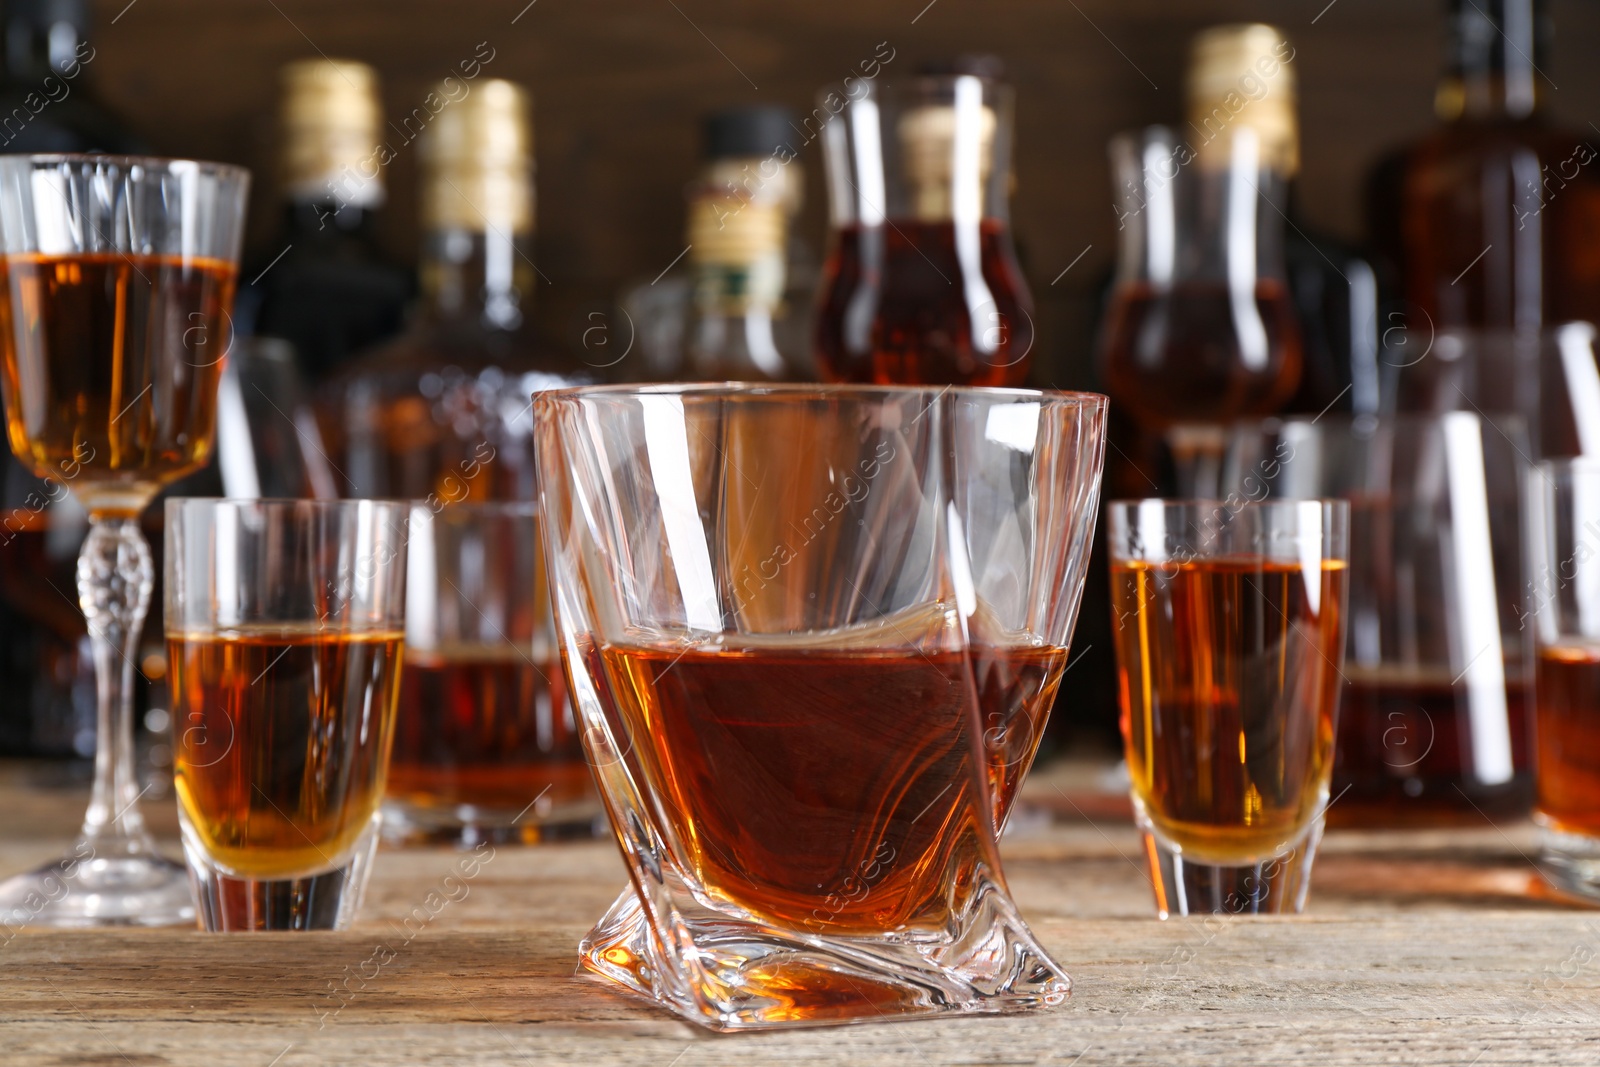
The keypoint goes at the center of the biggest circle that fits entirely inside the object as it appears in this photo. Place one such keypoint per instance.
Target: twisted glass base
(729, 974)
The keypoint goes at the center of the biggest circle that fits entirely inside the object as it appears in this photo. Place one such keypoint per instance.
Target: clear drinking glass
(1229, 624)
(120, 274)
(285, 629)
(1564, 600)
(1433, 726)
(487, 746)
(813, 633)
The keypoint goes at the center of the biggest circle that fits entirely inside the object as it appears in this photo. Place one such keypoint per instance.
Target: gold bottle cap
(1243, 75)
(928, 137)
(477, 157)
(330, 117)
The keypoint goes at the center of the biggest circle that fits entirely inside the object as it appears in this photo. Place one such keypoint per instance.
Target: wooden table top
(1417, 948)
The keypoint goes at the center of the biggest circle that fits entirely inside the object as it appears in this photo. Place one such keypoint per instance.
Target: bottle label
(736, 250)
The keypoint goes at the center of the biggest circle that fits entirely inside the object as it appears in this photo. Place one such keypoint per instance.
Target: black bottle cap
(748, 131)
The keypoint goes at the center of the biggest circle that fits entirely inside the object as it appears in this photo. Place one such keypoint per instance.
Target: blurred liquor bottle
(47, 104)
(47, 97)
(443, 412)
(739, 308)
(1490, 226)
(323, 284)
(1244, 75)
(921, 284)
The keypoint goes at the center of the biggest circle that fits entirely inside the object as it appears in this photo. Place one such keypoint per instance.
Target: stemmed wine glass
(120, 275)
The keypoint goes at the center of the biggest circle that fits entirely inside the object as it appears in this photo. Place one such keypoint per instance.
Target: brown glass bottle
(1493, 220)
(921, 285)
(443, 413)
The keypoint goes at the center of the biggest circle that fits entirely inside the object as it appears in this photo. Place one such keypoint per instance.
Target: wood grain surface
(1418, 948)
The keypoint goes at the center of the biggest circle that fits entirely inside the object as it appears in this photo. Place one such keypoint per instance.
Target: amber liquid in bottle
(281, 740)
(838, 790)
(1567, 725)
(894, 307)
(1405, 752)
(488, 728)
(1228, 684)
(114, 380)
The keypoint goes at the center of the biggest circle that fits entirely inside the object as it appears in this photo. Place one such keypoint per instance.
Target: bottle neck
(1497, 49)
(477, 279)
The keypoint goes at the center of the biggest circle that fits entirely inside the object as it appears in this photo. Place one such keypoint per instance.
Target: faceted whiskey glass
(812, 634)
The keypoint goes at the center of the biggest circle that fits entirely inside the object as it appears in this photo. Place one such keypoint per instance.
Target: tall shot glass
(1563, 518)
(285, 627)
(812, 633)
(1229, 628)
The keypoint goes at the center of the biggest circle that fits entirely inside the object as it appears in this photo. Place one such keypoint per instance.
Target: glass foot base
(86, 888)
(1185, 885)
(321, 900)
(1570, 863)
(466, 826)
(736, 975)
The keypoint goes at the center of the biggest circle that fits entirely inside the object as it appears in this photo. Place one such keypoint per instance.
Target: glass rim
(1363, 424)
(815, 390)
(283, 503)
(1568, 465)
(228, 170)
(1179, 503)
(1002, 86)
(481, 509)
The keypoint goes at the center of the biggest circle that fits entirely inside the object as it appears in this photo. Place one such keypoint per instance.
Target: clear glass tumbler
(1229, 627)
(285, 629)
(1564, 600)
(487, 746)
(813, 633)
(119, 279)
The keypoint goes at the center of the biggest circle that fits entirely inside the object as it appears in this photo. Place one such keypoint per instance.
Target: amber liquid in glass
(836, 790)
(894, 307)
(111, 364)
(1567, 727)
(488, 728)
(1404, 752)
(281, 741)
(1176, 355)
(1228, 684)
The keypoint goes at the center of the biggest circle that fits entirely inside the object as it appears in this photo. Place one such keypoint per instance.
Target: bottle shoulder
(430, 352)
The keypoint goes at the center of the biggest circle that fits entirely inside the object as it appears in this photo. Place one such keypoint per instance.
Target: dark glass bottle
(324, 285)
(731, 309)
(1491, 225)
(443, 412)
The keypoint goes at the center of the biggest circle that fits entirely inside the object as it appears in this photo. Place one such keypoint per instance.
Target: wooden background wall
(620, 86)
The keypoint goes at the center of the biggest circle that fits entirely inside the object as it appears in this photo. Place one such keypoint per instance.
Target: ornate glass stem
(115, 576)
